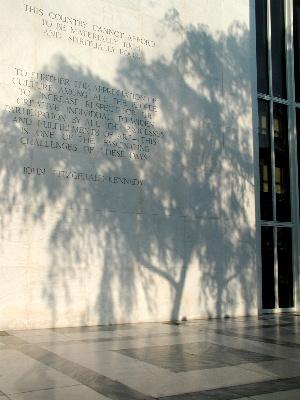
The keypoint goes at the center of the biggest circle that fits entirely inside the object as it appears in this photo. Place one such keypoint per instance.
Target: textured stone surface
(126, 161)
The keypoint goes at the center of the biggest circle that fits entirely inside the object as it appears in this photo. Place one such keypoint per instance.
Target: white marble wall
(126, 161)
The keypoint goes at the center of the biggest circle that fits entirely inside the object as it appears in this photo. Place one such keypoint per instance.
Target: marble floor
(238, 358)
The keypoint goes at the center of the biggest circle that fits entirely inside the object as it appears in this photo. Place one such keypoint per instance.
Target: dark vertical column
(267, 261)
(285, 268)
(262, 47)
(296, 35)
(278, 48)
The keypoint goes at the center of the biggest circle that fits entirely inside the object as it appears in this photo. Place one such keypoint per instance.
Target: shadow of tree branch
(114, 252)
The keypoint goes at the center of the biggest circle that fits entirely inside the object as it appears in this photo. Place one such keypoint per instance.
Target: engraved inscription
(95, 36)
(57, 113)
(82, 176)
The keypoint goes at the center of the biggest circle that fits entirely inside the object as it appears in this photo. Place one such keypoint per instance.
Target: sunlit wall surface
(126, 166)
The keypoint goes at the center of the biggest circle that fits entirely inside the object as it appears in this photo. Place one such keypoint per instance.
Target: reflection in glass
(266, 206)
(298, 148)
(282, 165)
(267, 260)
(297, 48)
(278, 48)
(262, 46)
(285, 267)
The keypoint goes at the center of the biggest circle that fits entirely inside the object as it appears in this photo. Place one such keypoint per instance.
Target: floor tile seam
(181, 328)
(242, 357)
(11, 337)
(78, 376)
(138, 327)
(227, 370)
(239, 346)
(91, 329)
(132, 344)
(234, 390)
(248, 327)
(10, 346)
(238, 335)
(63, 371)
(257, 339)
(141, 326)
(281, 325)
(149, 368)
(43, 389)
(290, 345)
(100, 340)
(241, 364)
(32, 333)
(267, 340)
(271, 374)
(274, 383)
(236, 363)
(119, 350)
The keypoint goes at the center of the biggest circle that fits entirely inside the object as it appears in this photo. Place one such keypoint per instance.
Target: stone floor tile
(19, 373)
(283, 395)
(238, 358)
(194, 356)
(68, 393)
(210, 379)
(276, 368)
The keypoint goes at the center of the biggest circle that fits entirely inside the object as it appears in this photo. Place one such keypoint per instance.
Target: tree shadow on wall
(110, 253)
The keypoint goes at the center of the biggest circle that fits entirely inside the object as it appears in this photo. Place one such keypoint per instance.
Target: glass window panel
(278, 48)
(267, 260)
(285, 268)
(282, 165)
(297, 48)
(266, 204)
(262, 46)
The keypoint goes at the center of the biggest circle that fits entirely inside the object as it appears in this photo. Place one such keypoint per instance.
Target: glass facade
(262, 47)
(278, 80)
(267, 256)
(265, 165)
(296, 36)
(282, 165)
(278, 57)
